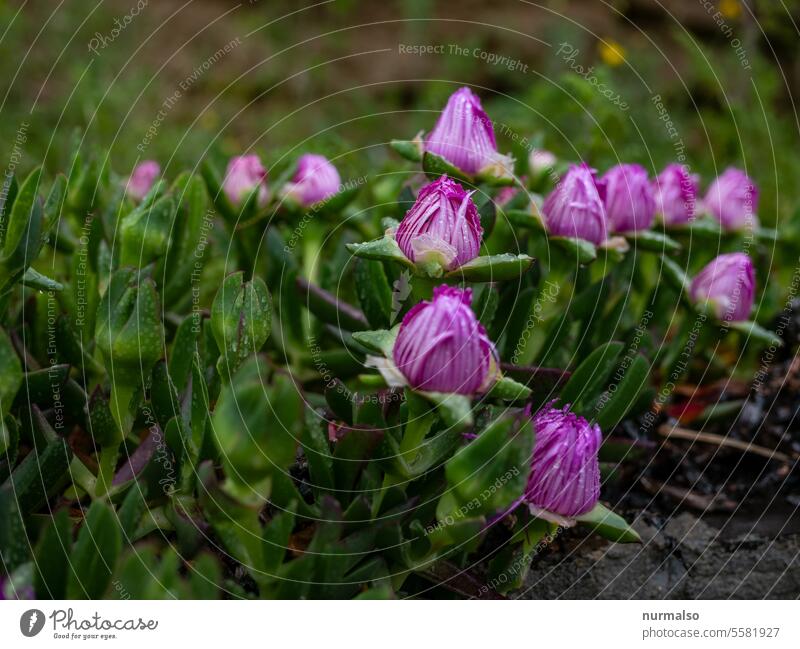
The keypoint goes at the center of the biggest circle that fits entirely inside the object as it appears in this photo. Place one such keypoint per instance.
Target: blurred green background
(174, 79)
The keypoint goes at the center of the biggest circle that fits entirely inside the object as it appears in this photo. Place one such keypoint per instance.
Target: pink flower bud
(675, 192)
(315, 180)
(629, 201)
(575, 207)
(142, 179)
(732, 199)
(728, 285)
(464, 136)
(540, 161)
(565, 474)
(441, 346)
(243, 175)
(442, 226)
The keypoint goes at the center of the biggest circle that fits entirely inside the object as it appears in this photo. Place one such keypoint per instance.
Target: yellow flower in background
(611, 52)
(730, 8)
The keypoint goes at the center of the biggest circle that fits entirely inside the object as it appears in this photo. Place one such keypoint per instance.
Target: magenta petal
(443, 218)
(441, 346)
(565, 473)
(575, 207)
(464, 135)
(729, 284)
(629, 201)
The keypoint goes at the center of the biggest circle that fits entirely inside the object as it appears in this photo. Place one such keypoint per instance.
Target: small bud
(629, 202)
(464, 136)
(728, 285)
(443, 226)
(575, 207)
(245, 174)
(142, 179)
(675, 192)
(315, 180)
(565, 474)
(441, 346)
(732, 199)
(541, 162)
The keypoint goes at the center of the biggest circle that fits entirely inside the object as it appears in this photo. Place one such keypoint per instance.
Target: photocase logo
(31, 622)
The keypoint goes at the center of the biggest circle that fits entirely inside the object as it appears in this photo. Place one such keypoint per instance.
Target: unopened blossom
(464, 136)
(629, 201)
(441, 346)
(732, 199)
(443, 226)
(142, 179)
(575, 207)
(675, 191)
(565, 474)
(315, 180)
(244, 174)
(541, 161)
(727, 285)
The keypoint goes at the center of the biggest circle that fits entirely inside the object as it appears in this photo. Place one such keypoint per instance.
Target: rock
(685, 558)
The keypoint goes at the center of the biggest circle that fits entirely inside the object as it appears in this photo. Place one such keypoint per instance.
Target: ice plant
(244, 174)
(565, 474)
(728, 285)
(315, 180)
(732, 199)
(441, 346)
(142, 179)
(675, 192)
(629, 202)
(464, 136)
(575, 207)
(442, 227)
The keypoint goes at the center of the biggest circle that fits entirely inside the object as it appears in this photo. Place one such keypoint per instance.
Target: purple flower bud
(728, 284)
(629, 201)
(441, 346)
(464, 136)
(442, 226)
(575, 207)
(675, 192)
(315, 180)
(565, 474)
(142, 179)
(243, 175)
(732, 199)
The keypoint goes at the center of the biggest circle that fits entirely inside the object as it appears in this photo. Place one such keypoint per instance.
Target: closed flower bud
(142, 179)
(575, 207)
(244, 174)
(540, 162)
(441, 346)
(443, 226)
(464, 136)
(728, 285)
(630, 205)
(315, 180)
(565, 475)
(675, 192)
(732, 199)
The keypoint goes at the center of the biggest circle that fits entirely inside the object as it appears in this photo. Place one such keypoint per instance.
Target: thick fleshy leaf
(383, 249)
(494, 268)
(584, 252)
(609, 525)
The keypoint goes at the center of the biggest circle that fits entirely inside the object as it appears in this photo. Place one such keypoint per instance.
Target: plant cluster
(377, 398)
